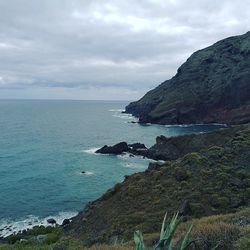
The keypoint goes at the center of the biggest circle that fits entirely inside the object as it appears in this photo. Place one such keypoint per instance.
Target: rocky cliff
(212, 86)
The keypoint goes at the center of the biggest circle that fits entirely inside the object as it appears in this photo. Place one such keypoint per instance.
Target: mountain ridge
(212, 86)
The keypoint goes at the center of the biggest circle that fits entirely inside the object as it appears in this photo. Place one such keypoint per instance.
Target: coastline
(10, 227)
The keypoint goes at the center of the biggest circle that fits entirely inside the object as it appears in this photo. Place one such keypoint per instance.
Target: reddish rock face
(212, 86)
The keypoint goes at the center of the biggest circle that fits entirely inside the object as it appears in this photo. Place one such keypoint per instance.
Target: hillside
(213, 181)
(212, 86)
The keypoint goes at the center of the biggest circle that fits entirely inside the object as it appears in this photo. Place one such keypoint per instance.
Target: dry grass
(218, 230)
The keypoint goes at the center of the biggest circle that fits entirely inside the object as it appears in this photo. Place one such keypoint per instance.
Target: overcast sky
(120, 49)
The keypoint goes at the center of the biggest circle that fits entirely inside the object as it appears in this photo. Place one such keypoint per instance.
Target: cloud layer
(81, 49)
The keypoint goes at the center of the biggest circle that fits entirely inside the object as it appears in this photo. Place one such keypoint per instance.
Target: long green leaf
(184, 243)
(163, 225)
(167, 233)
(138, 239)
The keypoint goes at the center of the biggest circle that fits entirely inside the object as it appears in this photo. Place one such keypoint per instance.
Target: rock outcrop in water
(171, 148)
(212, 86)
(122, 147)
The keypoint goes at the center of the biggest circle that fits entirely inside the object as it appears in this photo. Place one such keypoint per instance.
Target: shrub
(51, 238)
(208, 236)
(244, 242)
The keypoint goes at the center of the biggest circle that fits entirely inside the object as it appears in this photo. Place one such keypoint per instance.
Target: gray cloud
(98, 49)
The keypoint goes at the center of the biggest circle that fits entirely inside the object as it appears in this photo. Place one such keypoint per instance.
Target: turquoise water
(44, 146)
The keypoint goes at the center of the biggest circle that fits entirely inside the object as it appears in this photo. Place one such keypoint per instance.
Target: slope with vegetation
(212, 181)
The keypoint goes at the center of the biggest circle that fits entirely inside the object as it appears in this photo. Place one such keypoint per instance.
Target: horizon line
(61, 99)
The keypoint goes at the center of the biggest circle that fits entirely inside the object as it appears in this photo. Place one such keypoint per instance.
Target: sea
(46, 144)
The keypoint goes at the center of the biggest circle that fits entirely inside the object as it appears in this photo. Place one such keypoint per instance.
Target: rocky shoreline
(171, 148)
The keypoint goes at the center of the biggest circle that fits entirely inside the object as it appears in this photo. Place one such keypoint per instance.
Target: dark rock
(83, 172)
(137, 146)
(185, 208)
(51, 221)
(65, 222)
(117, 149)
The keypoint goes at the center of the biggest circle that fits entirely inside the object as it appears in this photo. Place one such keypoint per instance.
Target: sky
(105, 50)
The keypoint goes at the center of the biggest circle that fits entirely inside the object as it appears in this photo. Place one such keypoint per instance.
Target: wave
(193, 125)
(91, 150)
(129, 156)
(134, 165)
(88, 173)
(8, 226)
(119, 114)
(117, 110)
(123, 116)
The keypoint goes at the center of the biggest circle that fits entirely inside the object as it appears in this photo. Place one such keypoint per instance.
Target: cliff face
(212, 181)
(212, 86)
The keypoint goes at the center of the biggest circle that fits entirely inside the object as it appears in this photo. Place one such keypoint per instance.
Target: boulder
(65, 222)
(117, 149)
(51, 221)
(137, 146)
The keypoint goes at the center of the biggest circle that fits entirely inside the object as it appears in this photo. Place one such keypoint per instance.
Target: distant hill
(212, 86)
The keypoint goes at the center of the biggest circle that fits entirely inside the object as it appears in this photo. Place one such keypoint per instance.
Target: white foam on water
(8, 227)
(198, 124)
(123, 116)
(134, 165)
(124, 156)
(88, 173)
(117, 110)
(119, 114)
(91, 150)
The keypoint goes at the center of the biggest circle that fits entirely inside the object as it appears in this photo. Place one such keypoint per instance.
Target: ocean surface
(45, 145)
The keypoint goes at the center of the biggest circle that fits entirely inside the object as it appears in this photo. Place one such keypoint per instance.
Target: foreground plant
(138, 238)
(166, 236)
